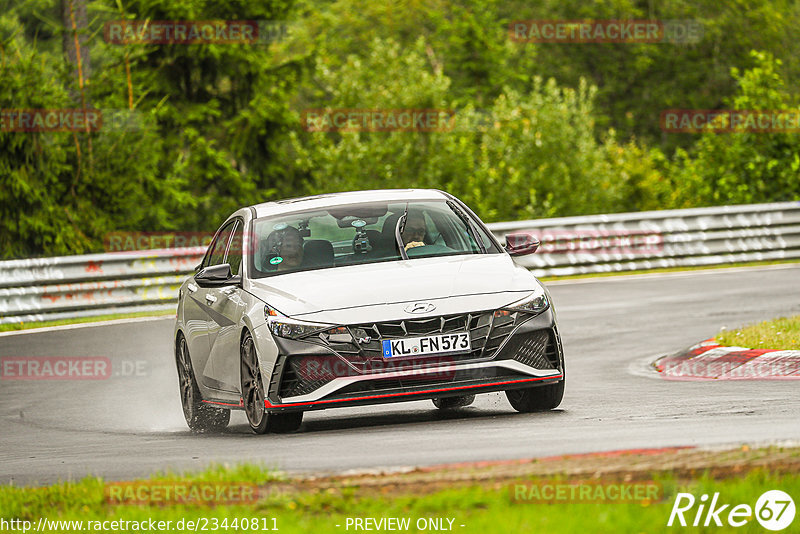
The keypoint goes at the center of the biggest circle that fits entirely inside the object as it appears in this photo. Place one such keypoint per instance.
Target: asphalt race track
(131, 424)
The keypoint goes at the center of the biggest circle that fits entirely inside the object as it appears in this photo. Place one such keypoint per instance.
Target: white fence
(73, 286)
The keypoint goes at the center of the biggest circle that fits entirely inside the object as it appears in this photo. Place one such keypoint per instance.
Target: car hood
(381, 291)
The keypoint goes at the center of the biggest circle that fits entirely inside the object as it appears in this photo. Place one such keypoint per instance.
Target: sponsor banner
(606, 31)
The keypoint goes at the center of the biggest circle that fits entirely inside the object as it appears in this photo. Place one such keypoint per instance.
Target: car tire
(450, 403)
(537, 399)
(252, 386)
(200, 417)
(260, 420)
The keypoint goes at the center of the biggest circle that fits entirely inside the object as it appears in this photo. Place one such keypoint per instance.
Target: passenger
(284, 249)
(414, 233)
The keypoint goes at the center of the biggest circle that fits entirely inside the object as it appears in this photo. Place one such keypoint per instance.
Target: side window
(234, 257)
(218, 247)
(487, 242)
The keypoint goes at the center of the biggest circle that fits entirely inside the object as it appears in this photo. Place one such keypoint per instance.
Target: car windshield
(363, 233)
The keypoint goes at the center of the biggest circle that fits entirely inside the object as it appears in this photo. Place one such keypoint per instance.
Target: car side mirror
(521, 243)
(217, 276)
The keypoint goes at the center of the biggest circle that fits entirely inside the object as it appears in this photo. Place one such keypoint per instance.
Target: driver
(284, 249)
(414, 233)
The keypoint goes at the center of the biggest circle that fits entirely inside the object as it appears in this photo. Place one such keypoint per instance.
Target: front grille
(364, 351)
(359, 351)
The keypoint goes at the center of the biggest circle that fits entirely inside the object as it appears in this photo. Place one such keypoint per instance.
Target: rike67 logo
(774, 510)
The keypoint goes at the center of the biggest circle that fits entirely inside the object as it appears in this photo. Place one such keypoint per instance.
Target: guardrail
(73, 286)
(657, 239)
(77, 286)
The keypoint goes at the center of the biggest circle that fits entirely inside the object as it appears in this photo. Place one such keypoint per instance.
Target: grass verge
(80, 320)
(482, 499)
(781, 334)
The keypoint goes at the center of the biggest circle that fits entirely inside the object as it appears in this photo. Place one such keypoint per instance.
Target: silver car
(361, 298)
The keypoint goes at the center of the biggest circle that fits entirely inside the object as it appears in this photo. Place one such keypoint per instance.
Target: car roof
(290, 205)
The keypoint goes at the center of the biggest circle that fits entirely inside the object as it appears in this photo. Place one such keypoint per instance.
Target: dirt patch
(684, 463)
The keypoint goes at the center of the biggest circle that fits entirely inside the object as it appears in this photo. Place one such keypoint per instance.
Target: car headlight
(536, 303)
(283, 326)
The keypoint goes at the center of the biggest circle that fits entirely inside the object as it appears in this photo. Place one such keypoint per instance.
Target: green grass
(783, 334)
(78, 320)
(483, 509)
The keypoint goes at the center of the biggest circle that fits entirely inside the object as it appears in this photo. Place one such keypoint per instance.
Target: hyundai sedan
(361, 298)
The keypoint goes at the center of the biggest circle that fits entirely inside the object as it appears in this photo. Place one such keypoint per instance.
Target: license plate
(419, 346)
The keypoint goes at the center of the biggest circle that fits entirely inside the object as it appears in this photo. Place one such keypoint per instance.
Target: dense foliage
(539, 129)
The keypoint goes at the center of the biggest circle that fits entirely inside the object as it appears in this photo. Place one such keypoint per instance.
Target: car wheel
(537, 399)
(199, 416)
(258, 418)
(252, 388)
(449, 403)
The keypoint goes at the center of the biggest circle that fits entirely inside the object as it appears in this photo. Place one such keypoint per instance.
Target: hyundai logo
(420, 307)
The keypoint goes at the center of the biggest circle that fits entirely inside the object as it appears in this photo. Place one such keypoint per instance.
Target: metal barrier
(74, 286)
(657, 239)
(94, 284)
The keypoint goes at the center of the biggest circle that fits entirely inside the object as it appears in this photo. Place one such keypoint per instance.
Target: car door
(225, 312)
(197, 304)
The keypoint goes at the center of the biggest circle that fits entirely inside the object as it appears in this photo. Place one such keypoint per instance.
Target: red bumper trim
(268, 404)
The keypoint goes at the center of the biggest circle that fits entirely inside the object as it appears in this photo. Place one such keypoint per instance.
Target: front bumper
(508, 352)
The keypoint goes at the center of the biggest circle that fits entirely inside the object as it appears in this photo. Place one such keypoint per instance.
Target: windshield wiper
(468, 222)
(398, 230)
